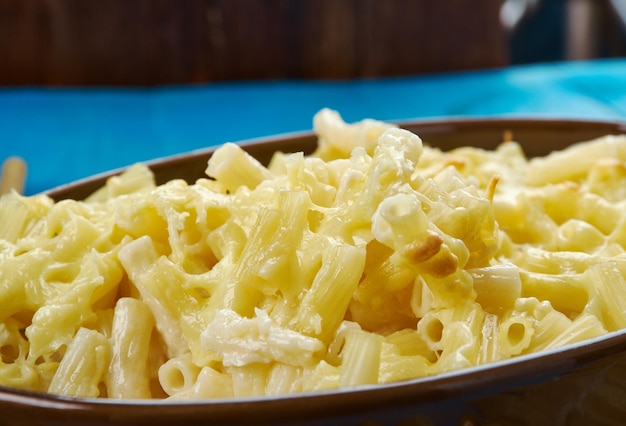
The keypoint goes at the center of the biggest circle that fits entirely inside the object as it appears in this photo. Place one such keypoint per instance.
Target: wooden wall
(152, 42)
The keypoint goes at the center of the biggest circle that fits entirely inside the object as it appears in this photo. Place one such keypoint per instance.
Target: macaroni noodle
(375, 259)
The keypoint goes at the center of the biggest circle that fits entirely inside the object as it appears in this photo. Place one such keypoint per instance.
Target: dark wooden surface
(151, 42)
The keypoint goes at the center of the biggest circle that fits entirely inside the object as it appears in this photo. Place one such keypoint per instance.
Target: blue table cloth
(67, 134)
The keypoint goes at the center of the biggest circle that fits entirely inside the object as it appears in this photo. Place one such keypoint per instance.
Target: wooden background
(152, 42)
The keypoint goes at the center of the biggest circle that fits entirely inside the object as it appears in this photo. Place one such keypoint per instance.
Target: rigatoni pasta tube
(497, 287)
(139, 258)
(431, 326)
(584, 327)
(323, 307)
(266, 261)
(608, 281)
(489, 345)
(233, 168)
(360, 358)
(83, 366)
(284, 379)
(461, 338)
(128, 375)
(515, 334)
(250, 379)
(178, 374)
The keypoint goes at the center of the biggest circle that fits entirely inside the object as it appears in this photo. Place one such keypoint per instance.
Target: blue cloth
(67, 134)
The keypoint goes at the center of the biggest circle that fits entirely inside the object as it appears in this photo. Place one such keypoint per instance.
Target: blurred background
(87, 86)
(155, 42)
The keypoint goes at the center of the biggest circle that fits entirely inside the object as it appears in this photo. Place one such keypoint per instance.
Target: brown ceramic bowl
(582, 384)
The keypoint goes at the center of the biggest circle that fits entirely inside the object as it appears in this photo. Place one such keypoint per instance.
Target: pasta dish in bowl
(370, 271)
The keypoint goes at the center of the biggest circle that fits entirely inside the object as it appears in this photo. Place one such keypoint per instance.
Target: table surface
(66, 134)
